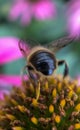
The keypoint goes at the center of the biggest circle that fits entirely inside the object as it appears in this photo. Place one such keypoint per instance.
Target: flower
(21, 110)
(9, 51)
(27, 9)
(74, 18)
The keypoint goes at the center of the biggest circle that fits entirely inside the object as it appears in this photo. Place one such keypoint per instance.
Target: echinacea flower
(9, 51)
(28, 9)
(58, 106)
(74, 18)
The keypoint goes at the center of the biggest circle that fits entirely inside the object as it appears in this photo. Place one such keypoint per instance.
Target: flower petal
(74, 18)
(2, 93)
(74, 23)
(9, 49)
(7, 82)
(22, 9)
(44, 10)
(11, 80)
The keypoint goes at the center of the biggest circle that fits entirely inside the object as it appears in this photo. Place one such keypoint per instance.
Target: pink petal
(44, 10)
(2, 93)
(74, 23)
(73, 14)
(11, 80)
(9, 49)
(26, 18)
(22, 9)
(7, 82)
(73, 6)
(4, 89)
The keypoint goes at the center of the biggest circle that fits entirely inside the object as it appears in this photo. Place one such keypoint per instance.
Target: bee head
(42, 60)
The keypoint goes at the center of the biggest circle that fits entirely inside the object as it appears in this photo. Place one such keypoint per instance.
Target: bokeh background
(43, 21)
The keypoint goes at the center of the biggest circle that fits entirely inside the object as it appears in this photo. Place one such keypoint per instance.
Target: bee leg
(38, 91)
(32, 75)
(66, 70)
(22, 73)
(36, 83)
(35, 80)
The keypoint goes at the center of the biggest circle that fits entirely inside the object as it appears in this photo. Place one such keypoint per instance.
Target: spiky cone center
(57, 108)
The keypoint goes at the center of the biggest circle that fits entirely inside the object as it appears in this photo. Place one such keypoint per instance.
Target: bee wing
(26, 45)
(32, 42)
(60, 43)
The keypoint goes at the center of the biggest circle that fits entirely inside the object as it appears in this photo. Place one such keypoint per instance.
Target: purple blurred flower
(74, 18)
(9, 51)
(26, 9)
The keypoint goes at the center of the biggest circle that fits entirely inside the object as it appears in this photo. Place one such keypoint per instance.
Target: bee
(42, 62)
